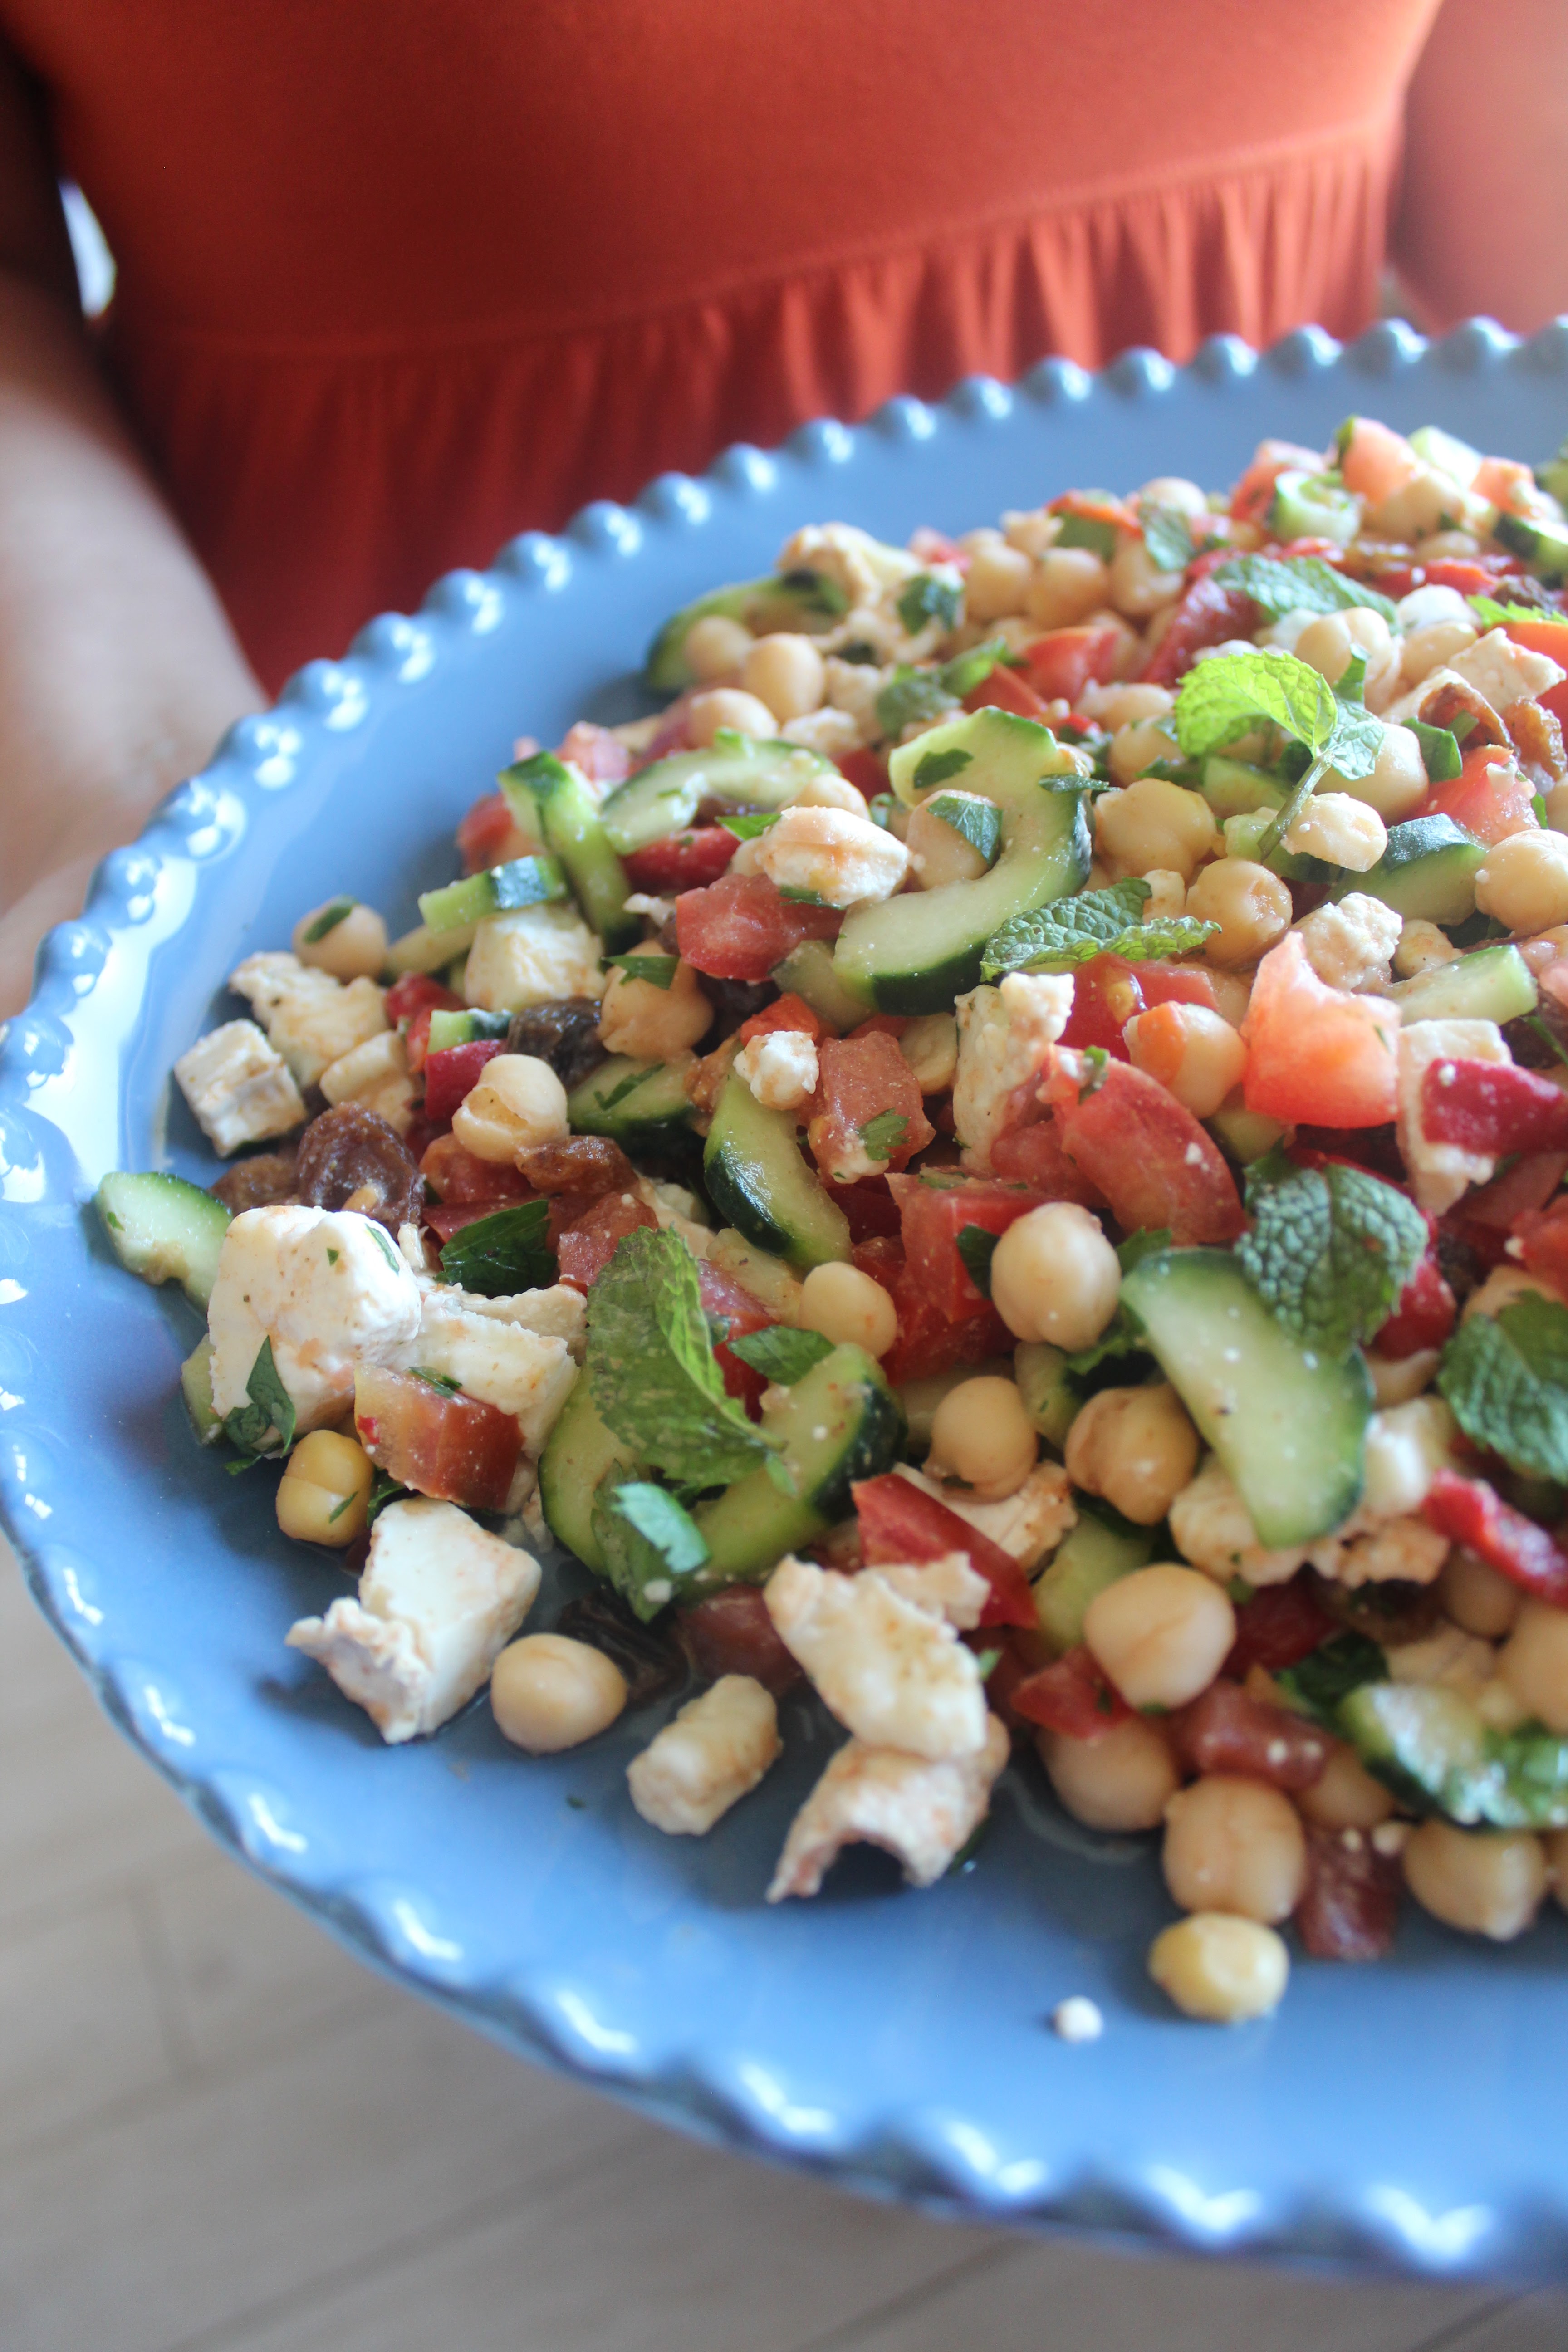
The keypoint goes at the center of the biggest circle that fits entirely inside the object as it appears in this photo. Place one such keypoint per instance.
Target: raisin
(564, 1031)
(350, 1154)
(583, 1163)
(734, 1001)
(262, 1181)
(652, 1662)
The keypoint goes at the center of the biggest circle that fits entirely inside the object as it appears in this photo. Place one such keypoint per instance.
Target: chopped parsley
(977, 1247)
(657, 970)
(938, 767)
(336, 912)
(881, 1137)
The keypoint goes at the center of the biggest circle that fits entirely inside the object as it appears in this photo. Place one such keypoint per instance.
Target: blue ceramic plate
(1410, 2113)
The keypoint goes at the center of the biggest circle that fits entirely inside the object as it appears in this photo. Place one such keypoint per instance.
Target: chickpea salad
(999, 1165)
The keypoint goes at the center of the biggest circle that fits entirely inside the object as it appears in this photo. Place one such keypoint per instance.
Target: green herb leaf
(442, 1380)
(929, 598)
(385, 1490)
(651, 1368)
(657, 970)
(649, 1541)
(1101, 537)
(1440, 753)
(498, 1255)
(976, 820)
(965, 672)
(335, 912)
(1223, 697)
(1329, 1251)
(1167, 535)
(977, 1247)
(333, 1255)
(1147, 1242)
(753, 823)
(912, 695)
(270, 1415)
(1493, 615)
(780, 1353)
(1279, 584)
(1538, 808)
(1096, 923)
(1506, 1378)
(626, 1085)
(987, 1663)
(815, 593)
(879, 809)
(379, 1236)
(881, 1137)
(1319, 1682)
(938, 766)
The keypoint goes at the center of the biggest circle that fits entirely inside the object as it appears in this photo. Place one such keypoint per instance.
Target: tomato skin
(927, 1341)
(1350, 1910)
(1150, 1158)
(861, 1078)
(740, 927)
(458, 1449)
(865, 770)
(899, 1521)
(931, 1218)
(1316, 1055)
(1005, 690)
(1423, 1315)
(1106, 995)
(730, 1633)
(416, 992)
(787, 1011)
(1064, 661)
(1278, 1627)
(687, 861)
(451, 1076)
(1033, 1155)
(1491, 797)
(586, 1247)
(1072, 1697)
(489, 835)
(455, 1174)
(1206, 615)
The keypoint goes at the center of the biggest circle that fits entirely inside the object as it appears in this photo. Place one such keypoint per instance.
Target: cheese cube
(921, 1812)
(894, 1674)
(714, 1753)
(312, 1019)
(530, 954)
(239, 1088)
(325, 1287)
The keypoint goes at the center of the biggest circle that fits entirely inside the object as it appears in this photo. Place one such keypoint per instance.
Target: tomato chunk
(456, 1448)
(451, 1076)
(1227, 1731)
(1422, 1317)
(1106, 994)
(586, 1247)
(1350, 1905)
(1071, 1695)
(1317, 1054)
(933, 1211)
(417, 992)
(453, 1173)
(1471, 1512)
(740, 927)
(1278, 1627)
(730, 1633)
(788, 1011)
(685, 862)
(868, 1204)
(864, 1088)
(1491, 796)
(1253, 493)
(899, 1521)
(1005, 690)
(1206, 615)
(1150, 1158)
(1543, 1237)
(1492, 1107)
(928, 1341)
(598, 751)
(489, 835)
(723, 1296)
(1064, 661)
(1033, 1155)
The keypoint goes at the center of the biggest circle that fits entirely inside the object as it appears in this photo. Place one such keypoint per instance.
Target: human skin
(118, 668)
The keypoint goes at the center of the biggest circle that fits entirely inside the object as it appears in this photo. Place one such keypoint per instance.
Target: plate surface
(1407, 2114)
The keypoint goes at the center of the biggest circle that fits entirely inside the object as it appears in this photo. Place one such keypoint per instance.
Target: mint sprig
(781, 1353)
(1096, 923)
(1279, 584)
(649, 1541)
(1329, 1251)
(1506, 1379)
(651, 1369)
(1220, 699)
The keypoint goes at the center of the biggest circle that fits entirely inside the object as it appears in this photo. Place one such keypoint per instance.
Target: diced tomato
(686, 861)
(1106, 995)
(1470, 1512)
(933, 1212)
(1278, 1627)
(416, 1039)
(446, 1218)
(868, 1204)
(1350, 1905)
(1549, 637)
(864, 1079)
(788, 1011)
(1064, 661)
(1177, 983)
(458, 1449)
(1072, 1697)
(1474, 575)
(740, 927)
(1207, 615)
(1423, 1316)
(451, 1076)
(456, 1174)
(865, 770)
(1544, 1238)
(586, 1247)
(1492, 1108)
(730, 1633)
(417, 992)
(1528, 1185)
(1376, 461)
(935, 547)
(1253, 493)
(671, 735)
(1225, 1730)
(598, 751)
(1491, 796)
(1500, 481)
(489, 835)
(1005, 690)
(899, 1521)
(928, 1341)
(722, 1295)
(1315, 1053)
(1097, 505)
(1033, 1155)
(1150, 1158)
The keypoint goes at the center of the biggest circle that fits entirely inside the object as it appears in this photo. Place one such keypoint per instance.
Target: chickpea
(1397, 784)
(1341, 830)
(1235, 1845)
(1477, 1597)
(787, 674)
(825, 788)
(1055, 1276)
(1173, 491)
(1252, 906)
(1122, 1780)
(1069, 582)
(1193, 1052)
(1167, 894)
(1328, 644)
(1525, 882)
(1161, 1634)
(649, 1023)
(1125, 706)
(519, 1102)
(1219, 1968)
(325, 1489)
(1434, 647)
(981, 1433)
(996, 585)
(727, 706)
(1396, 1379)
(1439, 546)
(930, 1047)
(1155, 823)
(939, 852)
(1136, 1447)
(1486, 1882)
(549, 1692)
(1534, 1662)
(1136, 746)
(1232, 992)
(353, 947)
(1347, 1797)
(847, 1308)
(1138, 586)
(716, 646)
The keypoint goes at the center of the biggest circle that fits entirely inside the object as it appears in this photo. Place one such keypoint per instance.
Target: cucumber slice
(1447, 454)
(1097, 1553)
(423, 950)
(549, 797)
(1233, 789)
(1543, 545)
(522, 882)
(809, 972)
(196, 1388)
(1427, 871)
(1433, 1749)
(1313, 506)
(578, 1453)
(800, 601)
(838, 1423)
(448, 1029)
(1493, 983)
(743, 771)
(1052, 1397)
(630, 1100)
(165, 1230)
(1245, 1135)
(1289, 1424)
(758, 1182)
(1243, 838)
(917, 952)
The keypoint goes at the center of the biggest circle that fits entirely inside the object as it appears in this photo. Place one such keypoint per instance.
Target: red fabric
(398, 278)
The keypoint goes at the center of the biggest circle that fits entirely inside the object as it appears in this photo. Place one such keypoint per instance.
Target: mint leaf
(1329, 1251)
(1320, 1681)
(881, 1137)
(749, 826)
(269, 1414)
(1357, 737)
(910, 695)
(1096, 923)
(330, 916)
(1167, 535)
(927, 598)
(1440, 753)
(657, 970)
(1221, 698)
(648, 1540)
(977, 1247)
(1506, 1378)
(651, 1370)
(938, 766)
(976, 820)
(1299, 583)
(780, 1353)
(496, 1255)
(1493, 615)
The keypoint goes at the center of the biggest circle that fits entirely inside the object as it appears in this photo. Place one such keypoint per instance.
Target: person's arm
(1485, 195)
(118, 668)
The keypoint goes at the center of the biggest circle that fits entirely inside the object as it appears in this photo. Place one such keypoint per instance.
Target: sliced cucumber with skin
(1313, 506)
(448, 1029)
(809, 972)
(1245, 1135)
(1447, 454)
(424, 949)
(1095, 1553)
(841, 1422)
(196, 1388)
(916, 952)
(745, 772)
(1543, 545)
(758, 1182)
(1491, 984)
(1432, 1747)
(1427, 871)
(802, 601)
(1233, 789)
(521, 882)
(546, 796)
(628, 1100)
(1052, 1397)
(578, 1453)
(165, 1230)
(1287, 1424)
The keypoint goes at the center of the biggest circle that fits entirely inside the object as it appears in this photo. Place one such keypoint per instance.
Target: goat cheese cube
(312, 1019)
(1503, 671)
(501, 1362)
(946, 1587)
(780, 1068)
(1351, 945)
(843, 860)
(922, 1813)
(1441, 1171)
(439, 1600)
(713, 1754)
(529, 955)
(1004, 1040)
(855, 561)
(325, 1287)
(1026, 1525)
(376, 1075)
(238, 1087)
(894, 1674)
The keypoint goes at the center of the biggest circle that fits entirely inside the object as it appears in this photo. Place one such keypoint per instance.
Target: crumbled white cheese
(855, 561)
(1076, 2019)
(947, 1586)
(894, 1674)
(1351, 944)
(1504, 672)
(1441, 1171)
(921, 1812)
(329, 1290)
(1026, 1525)
(312, 1019)
(239, 1086)
(780, 1068)
(714, 1753)
(1004, 1040)
(833, 734)
(493, 1358)
(529, 955)
(376, 1075)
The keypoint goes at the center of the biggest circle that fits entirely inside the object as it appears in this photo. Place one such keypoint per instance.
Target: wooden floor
(218, 2131)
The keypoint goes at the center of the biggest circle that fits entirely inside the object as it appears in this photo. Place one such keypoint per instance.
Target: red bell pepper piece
(1492, 1107)
(417, 992)
(1005, 690)
(1423, 1316)
(1471, 1512)
(1206, 615)
(899, 1521)
(1277, 1627)
(453, 1074)
(687, 861)
(1072, 1697)
(1064, 661)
